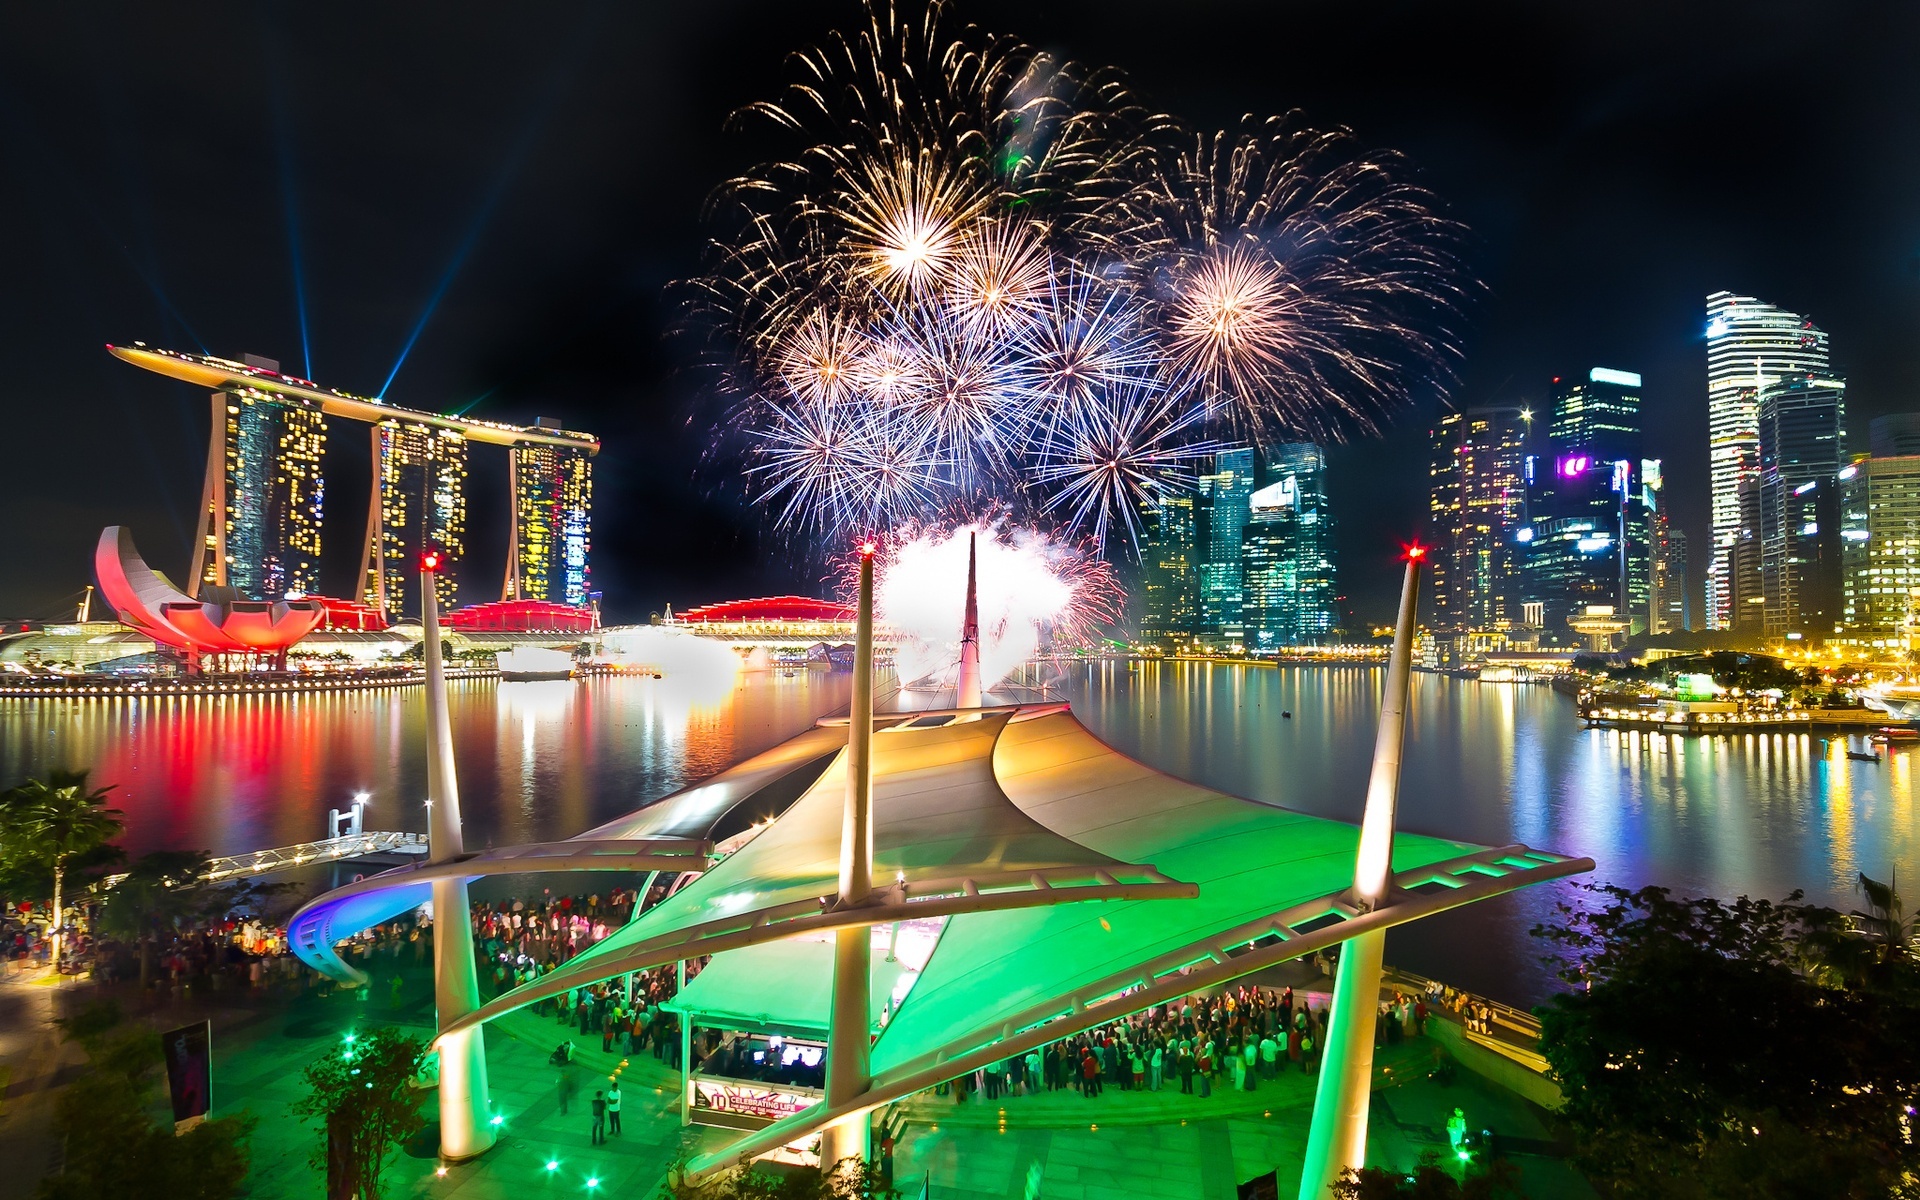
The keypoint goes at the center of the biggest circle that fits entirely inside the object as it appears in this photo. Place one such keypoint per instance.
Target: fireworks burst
(1307, 288)
(989, 280)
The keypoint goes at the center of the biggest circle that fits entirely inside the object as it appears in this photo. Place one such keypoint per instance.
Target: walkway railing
(1514, 1033)
(287, 858)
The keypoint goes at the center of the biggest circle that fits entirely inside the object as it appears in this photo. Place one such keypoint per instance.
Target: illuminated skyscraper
(1802, 447)
(1170, 570)
(552, 489)
(1591, 507)
(1670, 602)
(1226, 491)
(420, 479)
(1476, 505)
(1598, 416)
(261, 509)
(1750, 346)
(1286, 550)
(1880, 548)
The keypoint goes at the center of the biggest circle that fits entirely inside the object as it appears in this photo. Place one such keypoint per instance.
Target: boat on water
(535, 662)
(1901, 701)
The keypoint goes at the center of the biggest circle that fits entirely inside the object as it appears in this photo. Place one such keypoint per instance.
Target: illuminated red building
(218, 626)
(521, 616)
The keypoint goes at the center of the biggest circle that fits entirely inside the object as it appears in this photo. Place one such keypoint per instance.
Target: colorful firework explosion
(990, 280)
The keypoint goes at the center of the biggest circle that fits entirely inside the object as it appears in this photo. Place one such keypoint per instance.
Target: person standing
(565, 1090)
(613, 1107)
(599, 1117)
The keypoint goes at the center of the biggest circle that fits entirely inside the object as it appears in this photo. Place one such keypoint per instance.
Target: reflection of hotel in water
(261, 511)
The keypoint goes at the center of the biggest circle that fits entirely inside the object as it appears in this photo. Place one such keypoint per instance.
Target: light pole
(465, 1128)
(848, 1048)
(1337, 1139)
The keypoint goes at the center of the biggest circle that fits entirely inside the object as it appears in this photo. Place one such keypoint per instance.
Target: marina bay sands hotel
(260, 513)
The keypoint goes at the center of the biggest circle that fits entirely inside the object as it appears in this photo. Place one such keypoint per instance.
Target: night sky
(174, 173)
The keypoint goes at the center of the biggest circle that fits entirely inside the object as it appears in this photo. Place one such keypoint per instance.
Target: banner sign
(189, 1054)
(750, 1099)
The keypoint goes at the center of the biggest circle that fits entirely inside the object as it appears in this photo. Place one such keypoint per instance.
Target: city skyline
(518, 261)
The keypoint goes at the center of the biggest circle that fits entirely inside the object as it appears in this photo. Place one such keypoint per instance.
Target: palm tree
(51, 821)
(1885, 922)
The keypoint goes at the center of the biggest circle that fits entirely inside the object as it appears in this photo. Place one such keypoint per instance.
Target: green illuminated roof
(1249, 859)
(996, 794)
(986, 823)
(781, 987)
(937, 814)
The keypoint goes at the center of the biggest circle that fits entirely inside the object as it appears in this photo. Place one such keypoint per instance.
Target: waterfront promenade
(1118, 1146)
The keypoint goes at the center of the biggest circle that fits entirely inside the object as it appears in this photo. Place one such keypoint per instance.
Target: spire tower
(967, 690)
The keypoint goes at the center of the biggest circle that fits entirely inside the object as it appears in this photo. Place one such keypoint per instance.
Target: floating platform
(1694, 724)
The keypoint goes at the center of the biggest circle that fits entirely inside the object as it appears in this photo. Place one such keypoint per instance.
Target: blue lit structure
(1286, 549)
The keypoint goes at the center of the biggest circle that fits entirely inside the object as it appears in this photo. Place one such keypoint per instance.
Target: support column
(466, 1128)
(966, 692)
(1337, 1138)
(510, 587)
(686, 1047)
(373, 558)
(210, 532)
(849, 1069)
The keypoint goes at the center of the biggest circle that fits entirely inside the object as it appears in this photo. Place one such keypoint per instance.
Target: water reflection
(537, 760)
(1492, 763)
(1761, 814)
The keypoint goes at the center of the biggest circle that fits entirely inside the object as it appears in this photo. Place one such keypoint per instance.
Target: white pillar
(686, 1047)
(466, 1127)
(966, 692)
(848, 1045)
(1337, 1138)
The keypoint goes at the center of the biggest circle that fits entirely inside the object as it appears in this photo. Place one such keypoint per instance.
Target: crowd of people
(1237, 1037)
(1241, 1037)
(1475, 1014)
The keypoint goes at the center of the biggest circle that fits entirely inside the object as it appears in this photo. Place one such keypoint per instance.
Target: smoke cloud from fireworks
(1032, 589)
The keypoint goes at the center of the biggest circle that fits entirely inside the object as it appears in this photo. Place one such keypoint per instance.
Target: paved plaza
(1118, 1146)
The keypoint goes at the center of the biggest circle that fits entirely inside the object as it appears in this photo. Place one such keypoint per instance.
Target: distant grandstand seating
(521, 616)
(350, 615)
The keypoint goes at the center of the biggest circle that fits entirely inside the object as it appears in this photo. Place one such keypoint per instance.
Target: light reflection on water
(1759, 814)
(1490, 763)
(537, 760)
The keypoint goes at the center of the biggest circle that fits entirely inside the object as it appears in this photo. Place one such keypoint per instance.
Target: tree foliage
(362, 1095)
(850, 1179)
(114, 1147)
(49, 827)
(1721, 1049)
